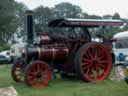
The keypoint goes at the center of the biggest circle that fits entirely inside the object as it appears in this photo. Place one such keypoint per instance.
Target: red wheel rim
(95, 63)
(38, 75)
(18, 73)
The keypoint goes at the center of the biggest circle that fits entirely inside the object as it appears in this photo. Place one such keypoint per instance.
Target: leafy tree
(95, 17)
(116, 16)
(12, 19)
(20, 9)
(42, 15)
(85, 16)
(107, 16)
(20, 16)
(67, 10)
(7, 20)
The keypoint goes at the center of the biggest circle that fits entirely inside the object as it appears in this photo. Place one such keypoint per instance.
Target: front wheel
(93, 62)
(38, 74)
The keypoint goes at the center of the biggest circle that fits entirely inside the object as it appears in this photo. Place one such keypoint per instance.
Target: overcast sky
(98, 7)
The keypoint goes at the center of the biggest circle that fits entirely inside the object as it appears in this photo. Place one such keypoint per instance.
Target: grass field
(61, 87)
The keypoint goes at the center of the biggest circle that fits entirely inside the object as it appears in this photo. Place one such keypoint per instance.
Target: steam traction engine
(69, 55)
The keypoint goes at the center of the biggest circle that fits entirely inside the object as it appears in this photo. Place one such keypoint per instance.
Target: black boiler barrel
(46, 53)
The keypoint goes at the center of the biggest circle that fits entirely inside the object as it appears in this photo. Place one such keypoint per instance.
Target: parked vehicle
(120, 48)
(5, 55)
(73, 55)
(4, 59)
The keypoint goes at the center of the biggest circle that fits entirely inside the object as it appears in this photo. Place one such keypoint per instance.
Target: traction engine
(74, 56)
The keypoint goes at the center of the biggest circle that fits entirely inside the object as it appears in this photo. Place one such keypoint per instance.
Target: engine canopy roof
(68, 22)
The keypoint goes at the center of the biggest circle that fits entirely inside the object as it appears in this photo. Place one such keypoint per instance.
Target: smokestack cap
(29, 12)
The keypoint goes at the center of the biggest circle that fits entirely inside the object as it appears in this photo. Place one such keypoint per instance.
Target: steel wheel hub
(39, 75)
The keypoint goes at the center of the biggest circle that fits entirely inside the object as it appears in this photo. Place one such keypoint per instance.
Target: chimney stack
(29, 26)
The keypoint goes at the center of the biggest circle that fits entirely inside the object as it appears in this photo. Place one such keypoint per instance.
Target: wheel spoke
(93, 51)
(95, 55)
(18, 69)
(91, 70)
(30, 77)
(44, 72)
(100, 52)
(86, 55)
(33, 74)
(38, 67)
(86, 67)
(103, 62)
(85, 61)
(101, 57)
(18, 74)
(92, 73)
(82, 64)
(44, 75)
(97, 71)
(101, 66)
(89, 54)
(88, 70)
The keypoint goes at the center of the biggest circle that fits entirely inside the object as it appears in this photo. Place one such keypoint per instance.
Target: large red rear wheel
(37, 74)
(17, 71)
(93, 62)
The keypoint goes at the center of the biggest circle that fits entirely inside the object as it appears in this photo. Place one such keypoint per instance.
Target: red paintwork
(60, 52)
(95, 63)
(38, 74)
(53, 52)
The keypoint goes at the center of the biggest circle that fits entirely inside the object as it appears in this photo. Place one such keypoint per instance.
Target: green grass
(61, 87)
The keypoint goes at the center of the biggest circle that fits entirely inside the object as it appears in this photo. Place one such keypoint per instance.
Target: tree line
(12, 19)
